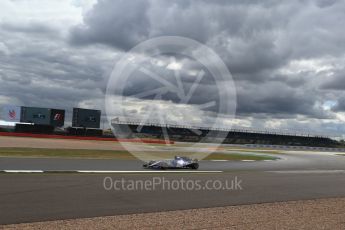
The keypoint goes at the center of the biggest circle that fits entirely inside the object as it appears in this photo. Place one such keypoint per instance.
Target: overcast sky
(287, 58)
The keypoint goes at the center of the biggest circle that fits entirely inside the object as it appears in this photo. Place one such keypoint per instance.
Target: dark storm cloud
(254, 38)
(250, 36)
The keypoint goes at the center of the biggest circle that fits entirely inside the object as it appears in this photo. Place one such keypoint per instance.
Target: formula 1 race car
(176, 163)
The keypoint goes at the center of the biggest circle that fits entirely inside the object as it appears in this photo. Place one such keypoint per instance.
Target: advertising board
(57, 117)
(11, 113)
(40, 116)
(87, 118)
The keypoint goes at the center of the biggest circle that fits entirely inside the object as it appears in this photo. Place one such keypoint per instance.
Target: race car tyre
(194, 166)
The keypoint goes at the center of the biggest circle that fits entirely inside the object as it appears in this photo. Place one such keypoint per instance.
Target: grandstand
(132, 129)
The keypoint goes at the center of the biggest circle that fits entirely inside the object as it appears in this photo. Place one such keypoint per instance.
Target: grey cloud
(256, 39)
(335, 82)
(340, 105)
(49, 73)
(276, 99)
(30, 27)
(249, 36)
(124, 24)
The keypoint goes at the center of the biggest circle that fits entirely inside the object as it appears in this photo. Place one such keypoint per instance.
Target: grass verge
(238, 157)
(66, 153)
(115, 154)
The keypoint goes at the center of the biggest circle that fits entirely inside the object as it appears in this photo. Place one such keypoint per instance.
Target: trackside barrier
(296, 147)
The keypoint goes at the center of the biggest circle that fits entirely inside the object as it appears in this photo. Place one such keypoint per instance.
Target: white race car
(176, 163)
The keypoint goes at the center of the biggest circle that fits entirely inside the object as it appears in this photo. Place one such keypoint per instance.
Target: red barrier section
(151, 141)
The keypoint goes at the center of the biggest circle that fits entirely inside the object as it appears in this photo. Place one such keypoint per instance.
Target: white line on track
(307, 171)
(147, 171)
(106, 171)
(23, 171)
(249, 160)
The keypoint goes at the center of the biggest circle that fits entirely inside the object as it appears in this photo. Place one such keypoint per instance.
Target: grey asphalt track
(289, 161)
(39, 197)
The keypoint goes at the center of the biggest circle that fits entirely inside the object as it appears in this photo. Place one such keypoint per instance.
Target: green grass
(65, 153)
(238, 157)
(115, 154)
(249, 151)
